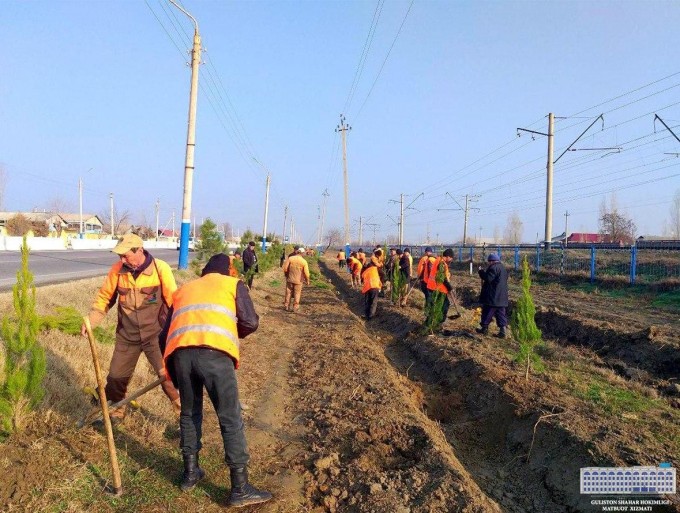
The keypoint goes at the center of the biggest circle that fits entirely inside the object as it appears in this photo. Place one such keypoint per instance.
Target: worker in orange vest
(424, 267)
(200, 343)
(372, 276)
(440, 284)
(355, 266)
(341, 259)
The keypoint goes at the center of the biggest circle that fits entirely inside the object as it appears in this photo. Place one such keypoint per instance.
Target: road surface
(60, 266)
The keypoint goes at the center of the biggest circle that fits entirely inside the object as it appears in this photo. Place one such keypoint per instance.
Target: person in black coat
(250, 263)
(494, 296)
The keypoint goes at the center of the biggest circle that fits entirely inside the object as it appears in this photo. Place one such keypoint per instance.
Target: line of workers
(377, 275)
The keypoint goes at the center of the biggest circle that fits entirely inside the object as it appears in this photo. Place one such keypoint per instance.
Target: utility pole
(549, 185)
(266, 213)
(191, 145)
(112, 231)
(375, 227)
(80, 202)
(158, 209)
(468, 199)
(401, 214)
(285, 216)
(343, 128)
(292, 229)
(318, 226)
(566, 225)
(361, 231)
(325, 195)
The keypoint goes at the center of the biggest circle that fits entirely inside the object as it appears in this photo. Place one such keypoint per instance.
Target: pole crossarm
(601, 116)
(656, 116)
(531, 132)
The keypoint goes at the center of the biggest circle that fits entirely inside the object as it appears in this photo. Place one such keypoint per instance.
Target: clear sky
(99, 90)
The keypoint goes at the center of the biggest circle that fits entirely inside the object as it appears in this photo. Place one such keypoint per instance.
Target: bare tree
(514, 229)
(674, 221)
(333, 236)
(121, 221)
(58, 205)
(614, 225)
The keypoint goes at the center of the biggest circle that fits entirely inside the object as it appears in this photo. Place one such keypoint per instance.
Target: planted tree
(435, 309)
(524, 328)
(25, 363)
(211, 243)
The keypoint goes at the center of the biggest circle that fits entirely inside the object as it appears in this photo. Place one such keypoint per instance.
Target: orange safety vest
(362, 257)
(371, 279)
(341, 255)
(424, 267)
(355, 265)
(432, 278)
(204, 315)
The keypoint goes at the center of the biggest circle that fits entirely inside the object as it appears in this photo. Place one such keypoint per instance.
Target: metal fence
(615, 265)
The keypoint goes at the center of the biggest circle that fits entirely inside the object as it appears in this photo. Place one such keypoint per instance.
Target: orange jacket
(341, 255)
(362, 257)
(424, 267)
(204, 315)
(355, 266)
(139, 300)
(432, 282)
(371, 278)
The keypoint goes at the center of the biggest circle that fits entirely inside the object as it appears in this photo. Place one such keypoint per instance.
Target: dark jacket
(249, 260)
(494, 285)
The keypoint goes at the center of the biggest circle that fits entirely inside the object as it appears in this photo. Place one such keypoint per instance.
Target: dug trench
(644, 352)
(520, 441)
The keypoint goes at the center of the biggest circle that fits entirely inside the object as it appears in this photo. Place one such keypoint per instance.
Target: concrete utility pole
(266, 213)
(283, 232)
(191, 144)
(158, 209)
(375, 227)
(549, 185)
(80, 202)
(343, 128)
(468, 199)
(325, 195)
(318, 226)
(566, 227)
(361, 231)
(112, 231)
(401, 220)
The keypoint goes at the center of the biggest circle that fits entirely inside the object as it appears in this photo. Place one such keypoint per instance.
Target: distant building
(58, 223)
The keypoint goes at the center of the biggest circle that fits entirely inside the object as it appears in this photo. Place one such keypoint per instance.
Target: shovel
(96, 413)
(117, 486)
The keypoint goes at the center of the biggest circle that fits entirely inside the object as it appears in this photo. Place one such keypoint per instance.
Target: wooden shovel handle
(117, 486)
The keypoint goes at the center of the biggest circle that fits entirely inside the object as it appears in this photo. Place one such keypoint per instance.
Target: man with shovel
(143, 287)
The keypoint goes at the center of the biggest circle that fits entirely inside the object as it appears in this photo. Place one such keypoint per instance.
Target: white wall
(34, 243)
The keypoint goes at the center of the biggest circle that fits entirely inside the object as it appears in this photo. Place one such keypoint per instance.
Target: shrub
(523, 324)
(24, 357)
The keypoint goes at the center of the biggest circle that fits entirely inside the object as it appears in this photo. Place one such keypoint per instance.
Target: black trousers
(371, 302)
(427, 292)
(199, 367)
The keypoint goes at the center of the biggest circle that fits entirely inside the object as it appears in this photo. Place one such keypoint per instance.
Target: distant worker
(361, 256)
(250, 265)
(494, 295)
(143, 287)
(380, 256)
(341, 259)
(355, 267)
(405, 262)
(296, 270)
(201, 350)
(372, 277)
(439, 280)
(424, 268)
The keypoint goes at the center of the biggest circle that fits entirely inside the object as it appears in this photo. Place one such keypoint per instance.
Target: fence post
(592, 264)
(460, 254)
(516, 257)
(562, 263)
(499, 254)
(472, 253)
(633, 264)
(538, 258)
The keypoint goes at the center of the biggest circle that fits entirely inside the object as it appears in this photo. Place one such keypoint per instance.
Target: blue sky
(102, 86)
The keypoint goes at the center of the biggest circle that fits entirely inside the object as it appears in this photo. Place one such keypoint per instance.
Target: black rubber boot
(502, 333)
(192, 472)
(243, 493)
(484, 330)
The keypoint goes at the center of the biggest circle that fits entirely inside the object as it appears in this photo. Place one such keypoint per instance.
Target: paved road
(60, 266)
